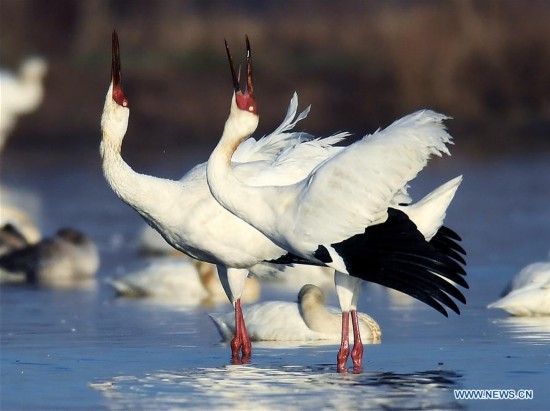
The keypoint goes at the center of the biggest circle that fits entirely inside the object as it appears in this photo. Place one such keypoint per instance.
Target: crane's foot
(342, 359)
(236, 345)
(246, 349)
(357, 357)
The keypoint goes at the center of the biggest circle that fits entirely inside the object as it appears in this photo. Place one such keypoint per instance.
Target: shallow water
(85, 349)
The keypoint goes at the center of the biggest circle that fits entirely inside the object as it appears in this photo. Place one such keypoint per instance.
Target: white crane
(346, 213)
(185, 213)
(309, 319)
(20, 94)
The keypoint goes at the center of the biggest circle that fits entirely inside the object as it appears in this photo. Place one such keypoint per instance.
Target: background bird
(69, 258)
(20, 94)
(179, 281)
(528, 293)
(308, 319)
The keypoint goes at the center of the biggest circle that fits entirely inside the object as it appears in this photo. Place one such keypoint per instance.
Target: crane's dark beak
(116, 73)
(249, 85)
(236, 86)
(249, 90)
(115, 63)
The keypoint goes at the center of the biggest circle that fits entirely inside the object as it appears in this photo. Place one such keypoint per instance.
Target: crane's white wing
(270, 146)
(284, 156)
(354, 188)
(295, 163)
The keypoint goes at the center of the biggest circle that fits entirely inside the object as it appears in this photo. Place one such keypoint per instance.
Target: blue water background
(85, 349)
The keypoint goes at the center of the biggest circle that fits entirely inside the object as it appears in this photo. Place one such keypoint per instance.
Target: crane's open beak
(116, 74)
(249, 90)
(244, 100)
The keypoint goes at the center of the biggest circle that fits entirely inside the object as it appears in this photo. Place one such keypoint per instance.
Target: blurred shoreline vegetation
(360, 64)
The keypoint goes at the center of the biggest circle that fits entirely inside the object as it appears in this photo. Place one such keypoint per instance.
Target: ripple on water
(284, 387)
(531, 330)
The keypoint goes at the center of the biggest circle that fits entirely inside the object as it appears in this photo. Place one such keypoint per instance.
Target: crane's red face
(116, 75)
(245, 100)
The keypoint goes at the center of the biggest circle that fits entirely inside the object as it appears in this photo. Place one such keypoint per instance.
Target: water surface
(85, 349)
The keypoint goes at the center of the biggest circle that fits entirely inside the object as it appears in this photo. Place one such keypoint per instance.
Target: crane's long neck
(124, 181)
(148, 195)
(245, 201)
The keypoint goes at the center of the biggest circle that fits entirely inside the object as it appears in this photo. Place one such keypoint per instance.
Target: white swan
(20, 95)
(306, 320)
(346, 214)
(185, 213)
(180, 281)
(60, 261)
(528, 294)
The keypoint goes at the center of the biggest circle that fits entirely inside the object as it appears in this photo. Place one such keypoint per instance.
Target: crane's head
(245, 100)
(116, 75)
(114, 119)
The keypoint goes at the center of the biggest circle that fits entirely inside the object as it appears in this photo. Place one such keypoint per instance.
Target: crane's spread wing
(294, 164)
(353, 189)
(284, 156)
(270, 146)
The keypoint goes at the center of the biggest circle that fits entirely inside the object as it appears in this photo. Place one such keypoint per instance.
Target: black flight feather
(396, 255)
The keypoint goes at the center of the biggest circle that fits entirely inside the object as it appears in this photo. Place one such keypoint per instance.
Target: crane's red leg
(246, 345)
(343, 353)
(236, 342)
(241, 340)
(357, 352)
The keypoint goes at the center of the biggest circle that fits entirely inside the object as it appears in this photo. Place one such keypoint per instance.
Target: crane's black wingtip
(395, 254)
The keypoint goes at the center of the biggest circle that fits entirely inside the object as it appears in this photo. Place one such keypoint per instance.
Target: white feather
(272, 145)
(428, 213)
(354, 188)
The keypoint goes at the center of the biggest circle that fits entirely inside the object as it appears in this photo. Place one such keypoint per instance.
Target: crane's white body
(184, 211)
(342, 196)
(346, 193)
(528, 293)
(306, 320)
(20, 94)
